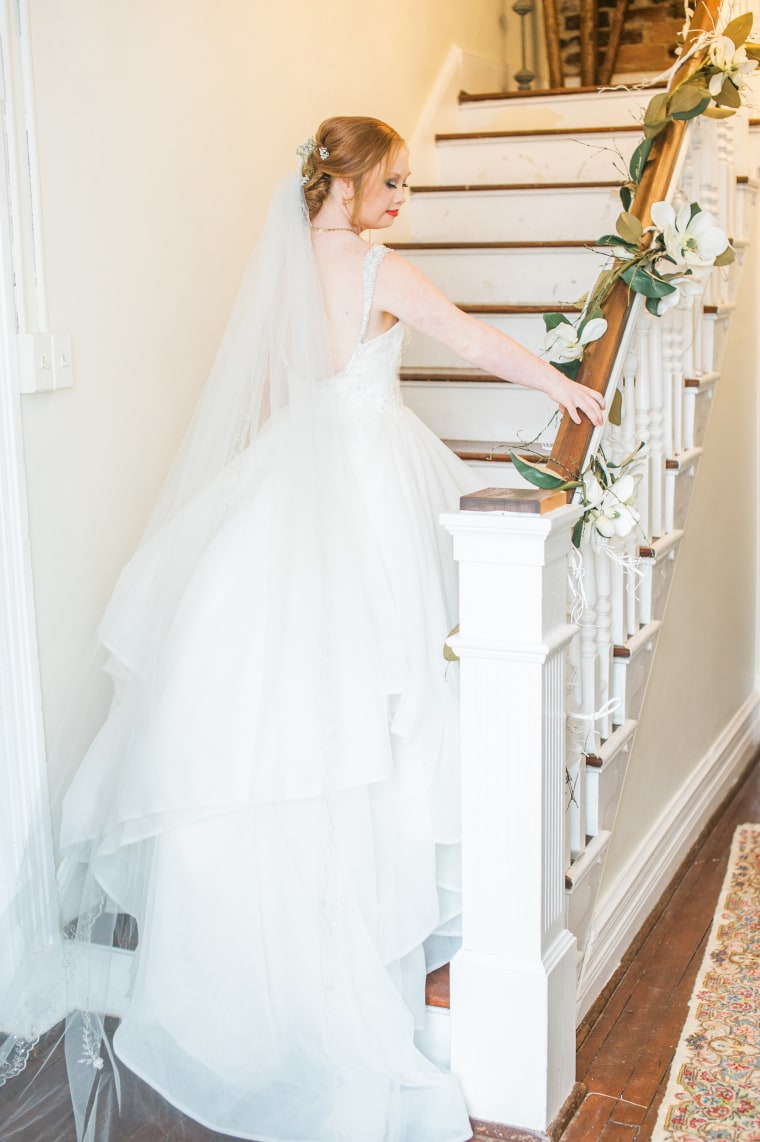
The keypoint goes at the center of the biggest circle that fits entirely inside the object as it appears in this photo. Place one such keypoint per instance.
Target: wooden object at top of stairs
(597, 65)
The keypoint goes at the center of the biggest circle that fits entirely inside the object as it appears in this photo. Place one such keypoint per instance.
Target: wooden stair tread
(544, 93)
(555, 244)
(527, 132)
(437, 988)
(444, 373)
(496, 452)
(506, 186)
(551, 307)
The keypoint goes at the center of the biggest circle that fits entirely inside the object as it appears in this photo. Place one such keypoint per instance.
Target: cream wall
(704, 665)
(163, 125)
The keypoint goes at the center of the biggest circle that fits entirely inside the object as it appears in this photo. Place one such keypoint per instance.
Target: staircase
(525, 186)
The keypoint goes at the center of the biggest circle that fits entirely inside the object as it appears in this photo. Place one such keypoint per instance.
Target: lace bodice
(368, 384)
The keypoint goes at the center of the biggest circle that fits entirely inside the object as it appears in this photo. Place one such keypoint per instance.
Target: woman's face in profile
(384, 193)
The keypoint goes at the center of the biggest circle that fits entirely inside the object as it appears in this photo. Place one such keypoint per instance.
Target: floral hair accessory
(305, 152)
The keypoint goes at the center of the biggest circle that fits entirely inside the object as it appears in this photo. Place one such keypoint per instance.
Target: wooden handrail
(570, 451)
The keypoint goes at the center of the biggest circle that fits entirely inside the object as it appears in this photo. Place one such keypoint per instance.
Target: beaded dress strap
(372, 260)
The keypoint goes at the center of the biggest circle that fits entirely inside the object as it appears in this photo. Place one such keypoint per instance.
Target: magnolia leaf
(569, 368)
(695, 111)
(615, 240)
(753, 51)
(694, 210)
(626, 196)
(537, 474)
(729, 95)
(686, 101)
(653, 306)
(641, 281)
(577, 535)
(653, 130)
(719, 112)
(629, 228)
(552, 320)
(639, 160)
(739, 28)
(448, 653)
(726, 258)
(616, 408)
(632, 456)
(657, 110)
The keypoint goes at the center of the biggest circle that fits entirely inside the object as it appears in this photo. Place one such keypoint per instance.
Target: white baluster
(603, 579)
(589, 651)
(665, 324)
(656, 451)
(677, 376)
(616, 452)
(688, 338)
(727, 177)
(642, 410)
(707, 340)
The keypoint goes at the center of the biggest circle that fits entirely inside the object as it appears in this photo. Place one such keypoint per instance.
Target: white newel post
(513, 983)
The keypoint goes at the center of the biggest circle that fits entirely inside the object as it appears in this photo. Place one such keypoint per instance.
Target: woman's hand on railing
(576, 399)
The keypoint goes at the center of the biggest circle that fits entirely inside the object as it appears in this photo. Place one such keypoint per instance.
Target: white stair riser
(497, 475)
(535, 158)
(434, 1039)
(604, 783)
(679, 488)
(714, 330)
(473, 411)
(512, 216)
(697, 406)
(586, 875)
(745, 204)
(527, 329)
(630, 676)
(581, 110)
(511, 277)
(656, 583)
(604, 787)
(662, 579)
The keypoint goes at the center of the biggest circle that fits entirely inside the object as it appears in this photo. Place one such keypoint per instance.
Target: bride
(273, 797)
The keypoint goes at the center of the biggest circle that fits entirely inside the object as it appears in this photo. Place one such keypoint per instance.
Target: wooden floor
(624, 1056)
(624, 1052)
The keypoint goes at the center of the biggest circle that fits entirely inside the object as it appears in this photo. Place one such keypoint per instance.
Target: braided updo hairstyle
(356, 146)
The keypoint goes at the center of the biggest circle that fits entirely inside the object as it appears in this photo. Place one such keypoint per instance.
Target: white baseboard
(621, 912)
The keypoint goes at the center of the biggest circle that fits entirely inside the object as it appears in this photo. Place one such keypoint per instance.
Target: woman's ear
(345, 187)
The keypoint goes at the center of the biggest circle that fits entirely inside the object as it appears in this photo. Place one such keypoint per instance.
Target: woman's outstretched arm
(406, 293)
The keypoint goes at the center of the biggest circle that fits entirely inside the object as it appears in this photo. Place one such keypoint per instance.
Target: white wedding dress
(274, 795)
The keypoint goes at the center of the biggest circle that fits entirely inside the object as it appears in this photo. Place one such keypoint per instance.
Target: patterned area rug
(714, 1089)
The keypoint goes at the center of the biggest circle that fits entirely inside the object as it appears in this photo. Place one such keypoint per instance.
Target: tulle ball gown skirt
(274, 794)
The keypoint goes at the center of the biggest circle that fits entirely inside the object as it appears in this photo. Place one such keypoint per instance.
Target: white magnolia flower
(689, 241)
(687, 287)
(618, 519)
(611, 510)
(593, 492)
(563, 344)
(732, 62)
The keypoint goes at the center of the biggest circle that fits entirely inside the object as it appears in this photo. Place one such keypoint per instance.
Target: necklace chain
(333, 229)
